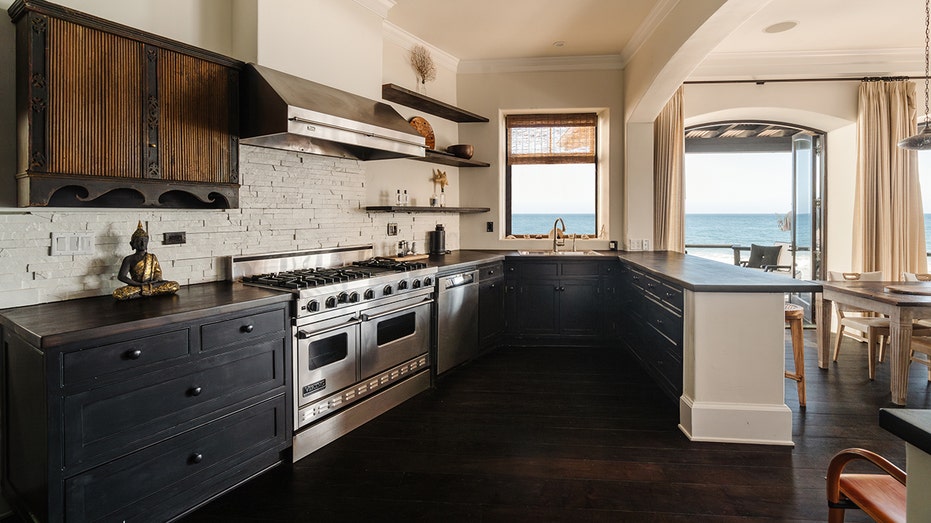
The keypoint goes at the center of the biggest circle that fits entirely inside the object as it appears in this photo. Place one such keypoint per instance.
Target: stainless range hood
(282, 111)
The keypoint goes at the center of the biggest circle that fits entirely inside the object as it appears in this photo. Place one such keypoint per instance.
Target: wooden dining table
(902, 302)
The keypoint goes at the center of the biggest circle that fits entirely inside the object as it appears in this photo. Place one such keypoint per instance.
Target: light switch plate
(72, 243)
(634, 245)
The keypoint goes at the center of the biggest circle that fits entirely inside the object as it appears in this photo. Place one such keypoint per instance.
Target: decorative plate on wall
(424, 129)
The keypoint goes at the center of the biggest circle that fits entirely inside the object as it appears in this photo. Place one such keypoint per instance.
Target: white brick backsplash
(288, 202)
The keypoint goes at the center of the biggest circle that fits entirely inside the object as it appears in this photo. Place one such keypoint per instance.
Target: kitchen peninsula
(711, 334)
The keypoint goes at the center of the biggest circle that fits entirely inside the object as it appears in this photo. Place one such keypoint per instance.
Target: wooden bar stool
(794, 315)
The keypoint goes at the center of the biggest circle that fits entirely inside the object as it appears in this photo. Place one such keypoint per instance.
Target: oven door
(395, 333)
(327, 357)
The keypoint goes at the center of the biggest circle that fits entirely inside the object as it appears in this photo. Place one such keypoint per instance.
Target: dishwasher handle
(457, 280)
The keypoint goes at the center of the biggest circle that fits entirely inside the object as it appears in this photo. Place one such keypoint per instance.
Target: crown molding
(379, 7)
(550, 64)
(656, 16)
(813, 64)
(400, 37)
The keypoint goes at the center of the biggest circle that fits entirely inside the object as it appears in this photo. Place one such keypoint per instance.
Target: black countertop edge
(912, 425)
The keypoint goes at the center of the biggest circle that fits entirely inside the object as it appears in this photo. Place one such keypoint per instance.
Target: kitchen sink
(559, 253)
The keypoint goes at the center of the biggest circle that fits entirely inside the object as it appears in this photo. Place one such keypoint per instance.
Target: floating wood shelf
(408, 208)
(394, 93)
(449, 159)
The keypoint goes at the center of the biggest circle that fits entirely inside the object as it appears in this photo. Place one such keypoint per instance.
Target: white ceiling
(833, 37)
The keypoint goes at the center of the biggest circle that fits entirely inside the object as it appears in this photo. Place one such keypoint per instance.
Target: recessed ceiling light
(559, 43)
(781, 27)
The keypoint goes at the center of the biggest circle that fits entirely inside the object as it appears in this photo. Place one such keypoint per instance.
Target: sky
(566, 189)
(756, 183)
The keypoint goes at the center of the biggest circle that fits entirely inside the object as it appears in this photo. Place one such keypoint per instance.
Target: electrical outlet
(174, 238)
(646, 244)
(489, 226)
(392, 229)
(634, 245)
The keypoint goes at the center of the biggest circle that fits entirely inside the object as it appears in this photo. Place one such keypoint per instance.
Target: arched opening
(756, 182)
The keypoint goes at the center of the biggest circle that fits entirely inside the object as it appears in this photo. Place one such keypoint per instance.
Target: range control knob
(369, 294)
(331, 302)
(415, 284)
(353, 297)
(402, 285)
(387, 290)
(313, 306)
(342, 297)
(427, 281)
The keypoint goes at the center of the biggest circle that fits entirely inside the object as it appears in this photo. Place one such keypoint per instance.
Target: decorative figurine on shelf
(141, 272)
(439, 177)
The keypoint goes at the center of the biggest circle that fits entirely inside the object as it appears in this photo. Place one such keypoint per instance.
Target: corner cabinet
(414, 100)
(111, 116)
(117, 411)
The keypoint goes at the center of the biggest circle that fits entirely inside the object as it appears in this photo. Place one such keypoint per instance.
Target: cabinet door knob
(247, 328)
(134, 354)
(196, 457)
(195, 391)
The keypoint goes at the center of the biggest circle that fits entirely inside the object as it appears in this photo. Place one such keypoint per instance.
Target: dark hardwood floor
(574, 435)
(544, 434)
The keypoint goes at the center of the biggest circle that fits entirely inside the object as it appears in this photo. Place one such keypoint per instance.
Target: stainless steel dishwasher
(457, 319)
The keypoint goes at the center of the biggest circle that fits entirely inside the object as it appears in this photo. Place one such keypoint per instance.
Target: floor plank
(543, 434)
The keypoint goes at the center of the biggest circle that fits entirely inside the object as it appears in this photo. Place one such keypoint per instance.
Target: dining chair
(921, 345)
(874, 330)
(880, 496)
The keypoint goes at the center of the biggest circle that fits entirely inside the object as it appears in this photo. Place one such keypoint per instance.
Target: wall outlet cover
(392, 229)
(489, 226)
(646, 244)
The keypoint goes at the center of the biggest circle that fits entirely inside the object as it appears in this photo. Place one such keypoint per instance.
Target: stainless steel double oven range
(362, 334)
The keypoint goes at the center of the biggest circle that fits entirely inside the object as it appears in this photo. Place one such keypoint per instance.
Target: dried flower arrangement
(422, 63)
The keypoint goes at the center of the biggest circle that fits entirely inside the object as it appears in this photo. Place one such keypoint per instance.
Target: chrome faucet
(557, 242)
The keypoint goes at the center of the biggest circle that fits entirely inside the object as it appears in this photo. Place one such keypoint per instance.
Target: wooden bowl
(462, 150)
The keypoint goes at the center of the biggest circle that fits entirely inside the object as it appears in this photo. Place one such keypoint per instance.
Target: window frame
(596, 160)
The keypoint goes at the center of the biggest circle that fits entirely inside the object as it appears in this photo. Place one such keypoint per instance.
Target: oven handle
(366, 317)
(303, 335)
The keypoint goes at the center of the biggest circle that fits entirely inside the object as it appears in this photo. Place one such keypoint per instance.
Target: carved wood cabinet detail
(110, 116)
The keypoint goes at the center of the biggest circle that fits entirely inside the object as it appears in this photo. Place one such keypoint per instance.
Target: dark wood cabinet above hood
(110, 116)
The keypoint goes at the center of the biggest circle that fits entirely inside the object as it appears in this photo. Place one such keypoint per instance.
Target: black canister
(438, 240)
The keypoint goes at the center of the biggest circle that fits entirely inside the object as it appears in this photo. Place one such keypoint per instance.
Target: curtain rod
(782, 80)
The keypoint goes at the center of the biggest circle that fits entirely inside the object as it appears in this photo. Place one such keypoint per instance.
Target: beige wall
(495, 94)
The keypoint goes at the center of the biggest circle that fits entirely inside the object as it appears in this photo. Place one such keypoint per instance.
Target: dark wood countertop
(48, 325)
(703, 275)
(912, 425)
(464, 259)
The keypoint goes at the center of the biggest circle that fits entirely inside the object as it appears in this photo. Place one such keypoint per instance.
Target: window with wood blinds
(551, 173)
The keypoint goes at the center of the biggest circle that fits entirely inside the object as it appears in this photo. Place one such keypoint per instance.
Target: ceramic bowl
(462, 150)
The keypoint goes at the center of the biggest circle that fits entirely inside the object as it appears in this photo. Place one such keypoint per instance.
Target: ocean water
(543, 223)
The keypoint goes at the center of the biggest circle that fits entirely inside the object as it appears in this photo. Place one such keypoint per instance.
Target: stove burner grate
(307, 278)
(388, 263)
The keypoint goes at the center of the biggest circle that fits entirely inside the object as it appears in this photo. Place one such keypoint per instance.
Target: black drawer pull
(247, 328)
(669, 295)
(134, 354)
(491, 272)
(195, 391)
(196, 458)
(659, 322)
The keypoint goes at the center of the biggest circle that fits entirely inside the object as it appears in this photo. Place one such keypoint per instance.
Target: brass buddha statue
(141, 272)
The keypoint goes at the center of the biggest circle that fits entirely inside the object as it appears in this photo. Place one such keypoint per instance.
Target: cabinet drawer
(103, 360)
(491, 271)
(109, 421)
(664, 320)
(534, 269)
(237, 330)
(160, 481)
(580, 268)
(671, 296)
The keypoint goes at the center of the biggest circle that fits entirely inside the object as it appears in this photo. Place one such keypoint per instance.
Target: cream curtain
(889, 233)
(668, 167)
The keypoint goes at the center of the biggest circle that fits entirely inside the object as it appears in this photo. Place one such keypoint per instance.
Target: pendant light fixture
(922, 140)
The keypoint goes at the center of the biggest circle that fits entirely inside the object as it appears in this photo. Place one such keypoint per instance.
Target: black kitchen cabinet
(651, 325)
(555, 301)
(491, 317)
(143, 409)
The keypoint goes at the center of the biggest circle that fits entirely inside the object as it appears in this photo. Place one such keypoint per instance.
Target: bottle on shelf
(407, 200)
(442, 196)
(434, 200)
(399, 200)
